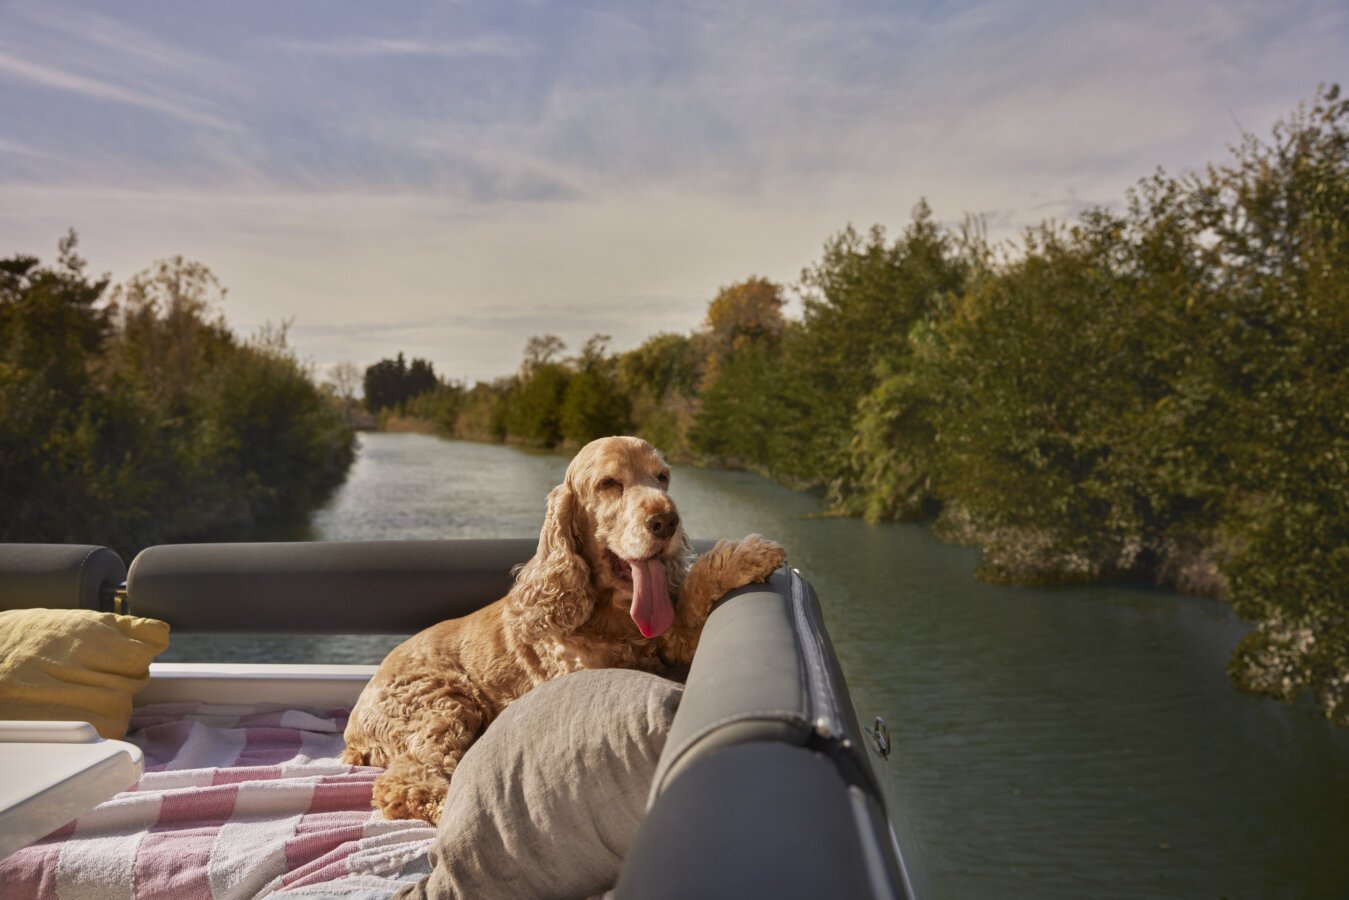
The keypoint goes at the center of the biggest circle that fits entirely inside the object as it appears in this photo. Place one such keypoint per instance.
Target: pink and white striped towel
(235, 802)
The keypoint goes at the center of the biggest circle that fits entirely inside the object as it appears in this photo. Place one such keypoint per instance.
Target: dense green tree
(51, 321)
(738, 423)
(483, 410)
(286, 441)
(392, 383)
(383, 383)
(421, 378)
(533, 413)
(52, 329)
(861, 301)
(1278, 232)
(136, 417)
(1039, 382)
(663, 364)
(745, 314)
(441, 405)
(660, 379)
(594, 404)
(893, 454)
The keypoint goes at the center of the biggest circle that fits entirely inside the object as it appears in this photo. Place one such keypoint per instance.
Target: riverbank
(392, 423)
(1037, 557)
(1024, 556)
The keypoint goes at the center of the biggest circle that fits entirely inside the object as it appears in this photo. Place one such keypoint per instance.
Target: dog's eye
(608, 483)
(663, 478)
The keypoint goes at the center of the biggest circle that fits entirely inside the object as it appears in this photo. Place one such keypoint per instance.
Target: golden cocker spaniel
(611, 586)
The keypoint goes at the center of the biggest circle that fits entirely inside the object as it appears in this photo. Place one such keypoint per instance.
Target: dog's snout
(663, 525)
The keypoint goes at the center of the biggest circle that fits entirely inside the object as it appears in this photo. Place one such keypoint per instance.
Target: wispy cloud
(60, 79)
(56, 29)
(17, 148)
(356, 47)
(110, 63)
(478, 172)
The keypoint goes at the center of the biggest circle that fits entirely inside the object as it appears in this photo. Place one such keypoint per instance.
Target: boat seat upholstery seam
(821, 710)
(79, 577)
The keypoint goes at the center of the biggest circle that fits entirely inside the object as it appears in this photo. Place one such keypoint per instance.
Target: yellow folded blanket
(76, 665)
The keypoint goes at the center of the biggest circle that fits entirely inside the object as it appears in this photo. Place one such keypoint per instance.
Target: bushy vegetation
(550, 402)
(1157, 391)
(393, 382)
(133, 415)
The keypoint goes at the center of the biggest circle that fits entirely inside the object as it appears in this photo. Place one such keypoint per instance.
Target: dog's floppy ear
(552, 590)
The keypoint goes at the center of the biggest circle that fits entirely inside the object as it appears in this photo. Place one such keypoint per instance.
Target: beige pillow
(547, 802)
(76, 665)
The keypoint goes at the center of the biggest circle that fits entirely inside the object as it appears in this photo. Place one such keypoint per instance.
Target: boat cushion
(58, 576)
(758, 819)
(333, 587)
(764, 671)
(548, 800)
(245, 800)
(76, 665)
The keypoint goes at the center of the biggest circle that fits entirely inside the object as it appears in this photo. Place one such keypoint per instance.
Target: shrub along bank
(133, 416)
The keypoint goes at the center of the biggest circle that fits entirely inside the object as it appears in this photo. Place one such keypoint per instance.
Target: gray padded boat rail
(765, 671)
(757, 820)
(393, 587)
(58, 576)
(764, 787)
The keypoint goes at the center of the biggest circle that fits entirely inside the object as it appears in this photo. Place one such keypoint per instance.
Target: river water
(1073, 742)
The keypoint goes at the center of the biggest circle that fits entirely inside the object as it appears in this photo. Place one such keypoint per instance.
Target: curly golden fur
(575, 605)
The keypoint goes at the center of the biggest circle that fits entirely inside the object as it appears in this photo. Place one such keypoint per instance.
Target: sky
(446, 179)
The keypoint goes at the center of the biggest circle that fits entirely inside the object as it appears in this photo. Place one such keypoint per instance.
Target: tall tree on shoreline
(137, 417)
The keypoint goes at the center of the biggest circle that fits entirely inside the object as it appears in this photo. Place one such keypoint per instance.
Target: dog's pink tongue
(651, 607)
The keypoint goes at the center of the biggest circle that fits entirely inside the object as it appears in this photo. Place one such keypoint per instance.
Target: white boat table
(52, 772)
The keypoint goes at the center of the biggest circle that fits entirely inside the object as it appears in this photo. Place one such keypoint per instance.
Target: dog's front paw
(407, 790)
(756, 557)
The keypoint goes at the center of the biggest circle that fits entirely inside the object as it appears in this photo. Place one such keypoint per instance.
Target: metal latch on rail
(880, 738)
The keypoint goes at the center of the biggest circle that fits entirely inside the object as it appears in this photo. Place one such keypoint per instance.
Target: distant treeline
(133, 416)
(392, 383)
(1159, 391)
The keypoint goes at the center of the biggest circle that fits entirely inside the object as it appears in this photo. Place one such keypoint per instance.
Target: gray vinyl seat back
(350, 587)
(331, 587)
(58, 576)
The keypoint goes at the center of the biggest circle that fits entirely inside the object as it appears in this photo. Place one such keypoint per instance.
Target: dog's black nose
(663, 525)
